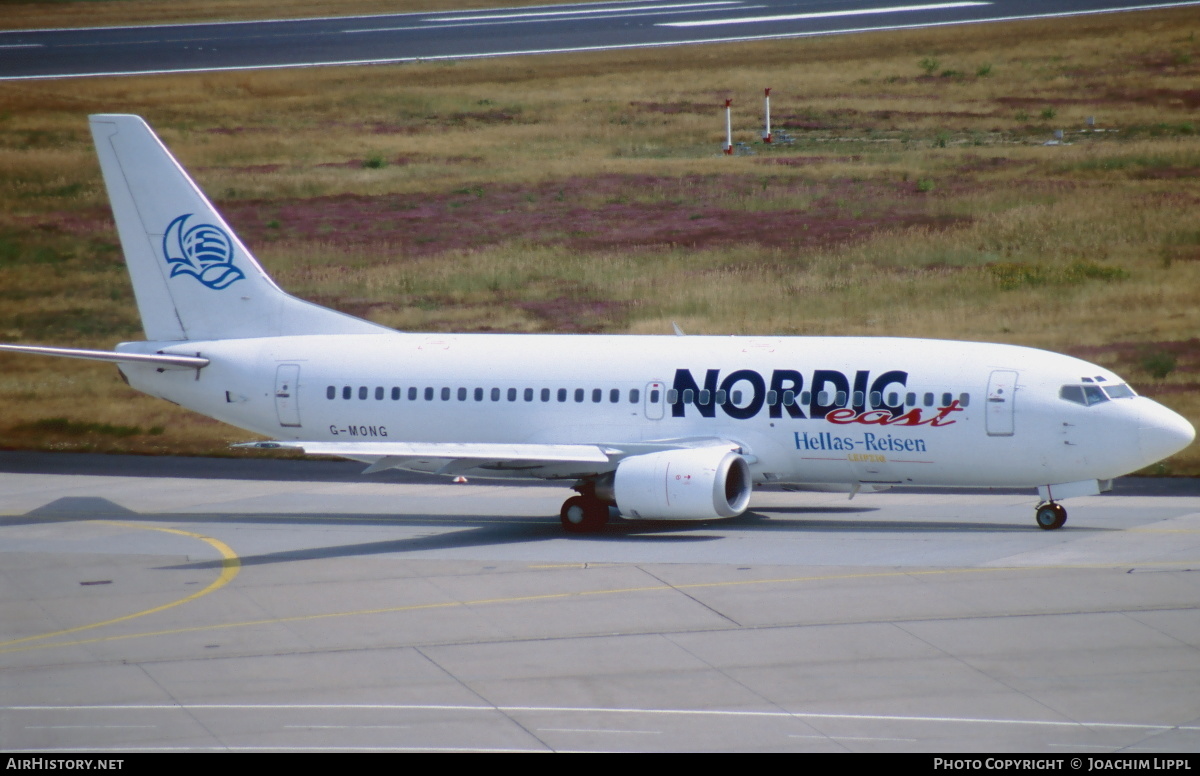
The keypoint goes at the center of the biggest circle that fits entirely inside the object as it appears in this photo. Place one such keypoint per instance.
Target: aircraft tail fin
(192, 276)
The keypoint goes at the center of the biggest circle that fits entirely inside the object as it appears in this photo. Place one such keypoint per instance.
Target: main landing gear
(1050, 515)
(585, 513)
(580, 514)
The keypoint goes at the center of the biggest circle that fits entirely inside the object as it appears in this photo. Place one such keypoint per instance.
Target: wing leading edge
(459, 456)
(462, 456)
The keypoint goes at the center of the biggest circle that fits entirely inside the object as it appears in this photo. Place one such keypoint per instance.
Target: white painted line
(600, 730)
(854, 738)
(194, 707)
(586, 49)
(823, 14)
(283, 21)
(349, 727)
(610, 13)
(87, 727)
(22, 45)
(522, 15)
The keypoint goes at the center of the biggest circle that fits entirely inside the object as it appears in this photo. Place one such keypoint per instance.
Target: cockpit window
(1086, 394)
(1121, 391)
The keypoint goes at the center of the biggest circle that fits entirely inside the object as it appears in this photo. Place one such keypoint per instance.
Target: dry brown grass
(1091, 247)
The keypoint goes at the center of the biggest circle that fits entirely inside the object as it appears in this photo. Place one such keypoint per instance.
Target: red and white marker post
(767, 104)
(728, 128)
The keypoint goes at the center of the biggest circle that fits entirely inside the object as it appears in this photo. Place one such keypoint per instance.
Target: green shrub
(1159, 363)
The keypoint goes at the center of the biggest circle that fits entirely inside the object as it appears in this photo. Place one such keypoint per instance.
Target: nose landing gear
(1050, 516)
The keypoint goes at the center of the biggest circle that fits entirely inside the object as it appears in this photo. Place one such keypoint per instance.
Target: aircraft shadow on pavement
(466, 531)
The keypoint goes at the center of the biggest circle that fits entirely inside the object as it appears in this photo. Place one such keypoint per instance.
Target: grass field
(911, 194)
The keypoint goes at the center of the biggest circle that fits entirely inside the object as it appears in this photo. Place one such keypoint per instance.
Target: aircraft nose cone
(1162, 432)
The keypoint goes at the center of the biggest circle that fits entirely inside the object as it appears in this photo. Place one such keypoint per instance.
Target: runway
(454, 34)
(270, 611)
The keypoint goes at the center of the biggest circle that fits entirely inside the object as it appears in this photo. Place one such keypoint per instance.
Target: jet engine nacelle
(696, 484)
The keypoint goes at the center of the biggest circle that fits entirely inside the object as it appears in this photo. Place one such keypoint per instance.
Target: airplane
(643, 427)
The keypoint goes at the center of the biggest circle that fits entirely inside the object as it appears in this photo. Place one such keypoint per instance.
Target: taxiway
(276, 611)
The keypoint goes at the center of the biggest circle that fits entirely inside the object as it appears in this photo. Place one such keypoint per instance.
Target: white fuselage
(806, 410)
(670, 428)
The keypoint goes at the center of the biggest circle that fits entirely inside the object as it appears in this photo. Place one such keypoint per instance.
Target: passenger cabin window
(635, 393)
(330, 392)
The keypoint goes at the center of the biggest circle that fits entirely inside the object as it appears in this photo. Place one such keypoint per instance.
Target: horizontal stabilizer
(165, 360)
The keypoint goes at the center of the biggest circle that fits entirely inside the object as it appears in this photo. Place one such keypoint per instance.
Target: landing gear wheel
(1050, 516)
(583, 515)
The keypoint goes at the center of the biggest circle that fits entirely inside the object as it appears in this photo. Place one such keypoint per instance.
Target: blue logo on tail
(205, 252)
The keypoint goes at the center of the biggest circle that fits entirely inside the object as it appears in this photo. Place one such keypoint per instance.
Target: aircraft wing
(461, 456)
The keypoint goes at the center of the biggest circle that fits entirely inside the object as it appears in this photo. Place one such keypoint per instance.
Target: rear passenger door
(287, 404)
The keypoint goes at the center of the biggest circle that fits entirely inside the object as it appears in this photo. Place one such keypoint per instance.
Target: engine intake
(701, 483)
